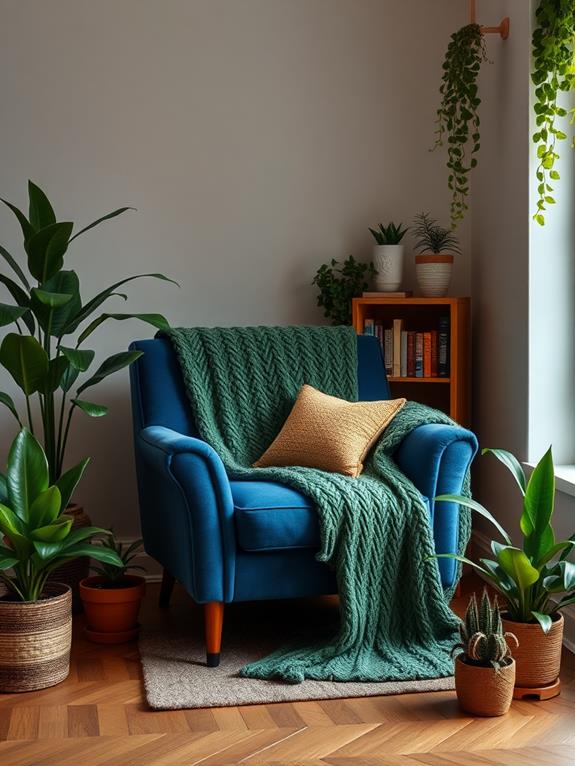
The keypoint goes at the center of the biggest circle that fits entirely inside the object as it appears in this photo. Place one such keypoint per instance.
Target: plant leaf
(9, 314)
(21, 299)
(510, 461)
(93, 410)
(68, 481)
(538, 508)
(515, 563)
(25, 225)
(79, 359)
(45, 508)
(112, 364)
(54, 318)
(52, 533)
(544, 620)
(478, 508)
(156, 320)
(46, 250)
(27, 473)
(26, 361)
(40, 212)
(14, 265)
(107, 217)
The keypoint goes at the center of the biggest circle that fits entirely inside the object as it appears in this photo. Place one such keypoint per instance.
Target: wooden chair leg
(166, 589)
(213, 624)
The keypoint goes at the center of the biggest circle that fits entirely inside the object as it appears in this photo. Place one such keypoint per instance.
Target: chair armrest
(436, 459)
(186, 508)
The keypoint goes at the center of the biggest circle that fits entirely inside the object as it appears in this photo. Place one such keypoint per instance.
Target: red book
(411, 354)
(434, 353)
(426, 354)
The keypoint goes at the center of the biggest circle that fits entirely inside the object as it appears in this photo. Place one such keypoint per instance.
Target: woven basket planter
(538, 655)
(76, 570)
(35, 639)
(484, 691)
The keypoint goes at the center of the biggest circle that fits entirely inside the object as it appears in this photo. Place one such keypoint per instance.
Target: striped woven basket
(35, 640)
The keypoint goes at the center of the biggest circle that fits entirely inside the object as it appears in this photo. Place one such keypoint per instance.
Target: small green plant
(458, 117)
(115, 573)
(38, 535)
(390, 234)
(483, 642)
(553, 72)
(338, 284)
(535, 579)
(432, 238)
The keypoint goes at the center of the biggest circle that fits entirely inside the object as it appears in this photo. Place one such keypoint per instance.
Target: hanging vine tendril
(457, 116)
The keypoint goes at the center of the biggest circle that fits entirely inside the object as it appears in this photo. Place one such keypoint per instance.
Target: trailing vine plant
(457, 116)
(553, 72)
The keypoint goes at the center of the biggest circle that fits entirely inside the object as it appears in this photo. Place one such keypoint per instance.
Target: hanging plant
(457, 116)
(553, 72)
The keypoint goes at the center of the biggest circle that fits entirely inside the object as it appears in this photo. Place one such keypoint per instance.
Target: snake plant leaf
(10, 314)
(52, 533)
(156, 320)
(79, 359)
(106, 217)
(112, 364)
(46, 250)
(91, 409)
(45, 508)
(538, 508)
(40, 211)
(478, 508)
(27, 228)
(69, 480)
(25, 360)
(27, 473)
(515, 563)
(509, 461)
(544, 620)
(21, 299)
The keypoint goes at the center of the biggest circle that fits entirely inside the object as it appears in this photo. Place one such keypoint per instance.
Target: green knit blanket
(395, 622)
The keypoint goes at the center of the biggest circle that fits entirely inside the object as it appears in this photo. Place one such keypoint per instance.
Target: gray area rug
(175, 674)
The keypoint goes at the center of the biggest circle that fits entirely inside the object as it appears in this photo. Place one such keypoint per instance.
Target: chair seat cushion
(271, 516)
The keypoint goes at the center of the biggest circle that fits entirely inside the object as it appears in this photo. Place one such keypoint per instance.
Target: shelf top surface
(448, 301)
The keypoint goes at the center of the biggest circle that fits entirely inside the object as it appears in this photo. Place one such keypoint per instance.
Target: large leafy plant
(38, 535)
(553, 45)
(338, 284)
(47, 310)
(536, 579)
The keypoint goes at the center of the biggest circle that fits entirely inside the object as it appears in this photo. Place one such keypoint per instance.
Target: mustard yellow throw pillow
(329, 433)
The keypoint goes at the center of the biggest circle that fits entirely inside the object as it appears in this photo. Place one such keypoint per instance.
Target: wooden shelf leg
(213, 624)
(166, 588)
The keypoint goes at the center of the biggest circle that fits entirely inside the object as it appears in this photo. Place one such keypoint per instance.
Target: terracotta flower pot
(538, 655)
(35, 639)
(112, 613)
(484, 691)
(433, 272)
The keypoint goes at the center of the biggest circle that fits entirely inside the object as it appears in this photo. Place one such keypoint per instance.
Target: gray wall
(257, 138)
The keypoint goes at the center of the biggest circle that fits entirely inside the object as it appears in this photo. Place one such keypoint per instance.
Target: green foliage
(390, 234)
(37, 356)
(530, 577)
(338, 284)
(432, 238)
(37, 534)
(553, 72)
(483, 642)
(114, 573)
(457, 116)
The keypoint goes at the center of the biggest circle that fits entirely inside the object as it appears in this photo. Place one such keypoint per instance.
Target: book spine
(368, 327)
(397, 326)
(403, 354)
(443, 350)
(379, 332)
(388, 350)
(419, 355)
(434, 353)
(411, 354)
(426, 354)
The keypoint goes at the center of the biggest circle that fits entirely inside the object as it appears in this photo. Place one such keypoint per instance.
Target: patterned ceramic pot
(538, 655)
(35, 639)
(433, 272)
(484, 691)
(388, 262)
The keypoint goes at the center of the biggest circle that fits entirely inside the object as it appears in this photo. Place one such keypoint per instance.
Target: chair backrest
(159, 397)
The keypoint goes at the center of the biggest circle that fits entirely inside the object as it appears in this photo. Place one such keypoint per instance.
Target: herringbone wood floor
(98, 716)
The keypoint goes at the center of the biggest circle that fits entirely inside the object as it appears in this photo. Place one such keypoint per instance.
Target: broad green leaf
(156, 320)
(111, 365)
(52, 533)
(80, 535)
(79, 359)
(27, 474)
(478, 508)
(563, 546)
(9, 314)
(55, 318)
(538, 508)
(21, 299)
(69, 378)
(6, 562)
(45, 508)
(106, 556)
(12, 528)
(463, 560)
(7, 401)
(510, 461)
(53, 300)
(25, 360)
(40, 211)
(544, 620)
(56, 371)
(91, 409)
(562, 578)
(106, 217)
(13, 263)
(515, 563)
(46, 250)
(25, 225)
(69, 480)
(3, 489)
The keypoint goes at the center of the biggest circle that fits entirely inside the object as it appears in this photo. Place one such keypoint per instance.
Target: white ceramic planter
(433, 272)
(388, 262)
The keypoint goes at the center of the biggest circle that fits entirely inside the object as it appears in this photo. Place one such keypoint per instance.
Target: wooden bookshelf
(450, 394)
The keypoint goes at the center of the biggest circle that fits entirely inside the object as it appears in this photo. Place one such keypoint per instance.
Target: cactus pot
(538, 655)
(484, 691)
(112, 612)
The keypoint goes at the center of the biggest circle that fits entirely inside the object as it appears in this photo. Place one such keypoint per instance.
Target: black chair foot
(213, 660)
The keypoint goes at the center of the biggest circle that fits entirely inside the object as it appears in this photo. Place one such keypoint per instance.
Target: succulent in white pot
(435, 248)
(388, 256)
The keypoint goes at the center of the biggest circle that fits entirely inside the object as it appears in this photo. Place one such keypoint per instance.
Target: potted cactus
(388, 256)
(484, 667)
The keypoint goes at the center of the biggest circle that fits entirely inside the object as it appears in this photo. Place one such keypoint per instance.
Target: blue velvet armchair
(230, 541)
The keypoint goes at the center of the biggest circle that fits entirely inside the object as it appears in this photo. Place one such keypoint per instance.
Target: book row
(411, 354)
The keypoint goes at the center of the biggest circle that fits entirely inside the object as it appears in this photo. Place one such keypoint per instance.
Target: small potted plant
(388, 256)
(484, 667)
(36, 538)
(536, 579)
(338, 283)
(112, 597)
(436, 247)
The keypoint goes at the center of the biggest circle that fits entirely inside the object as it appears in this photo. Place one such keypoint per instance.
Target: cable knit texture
(395, 624)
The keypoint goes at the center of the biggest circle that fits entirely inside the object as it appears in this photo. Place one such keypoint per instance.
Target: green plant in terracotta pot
(536, 579)
(35, 614)
(435, 246)
(112, 597)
